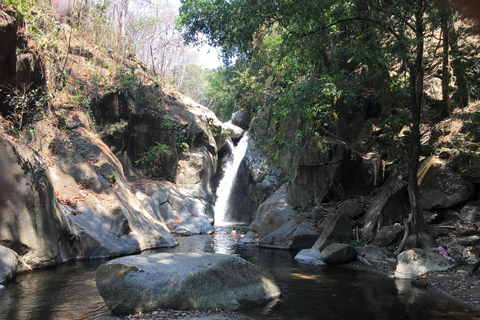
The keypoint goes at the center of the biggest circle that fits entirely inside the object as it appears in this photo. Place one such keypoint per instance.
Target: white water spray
(224, 189)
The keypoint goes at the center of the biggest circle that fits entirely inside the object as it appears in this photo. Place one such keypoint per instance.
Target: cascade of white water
(226, 184)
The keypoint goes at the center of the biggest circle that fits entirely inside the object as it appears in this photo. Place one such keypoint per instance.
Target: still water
(308, 292)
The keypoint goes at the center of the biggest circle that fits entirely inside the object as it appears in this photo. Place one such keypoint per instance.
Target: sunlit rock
(310, 256)
(440, 187)
(183, 281)
(415, 262)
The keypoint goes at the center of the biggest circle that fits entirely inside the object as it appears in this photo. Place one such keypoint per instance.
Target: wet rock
(259, 179)
(440, 187)
(294, 235)
(182, 281)
(8, 264)
(338, 253)
(310, 256)
(387, 207)
(415, 262)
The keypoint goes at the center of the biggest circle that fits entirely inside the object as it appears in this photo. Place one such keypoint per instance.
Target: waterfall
(226, 184)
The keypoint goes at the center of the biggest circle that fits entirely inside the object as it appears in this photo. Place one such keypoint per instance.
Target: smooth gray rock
(338, 253)
(8, 264)
(337, 228)
(235, 132)
(241, 118)
(310, 256)
(291, 236)
(273, 213)
(415, 262)
(182, 281)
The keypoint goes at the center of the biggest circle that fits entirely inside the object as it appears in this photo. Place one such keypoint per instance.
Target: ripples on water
(68, 291)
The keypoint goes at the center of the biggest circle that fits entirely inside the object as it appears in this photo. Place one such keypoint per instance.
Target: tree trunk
(417, 223)
(459, 71)
(444, 15)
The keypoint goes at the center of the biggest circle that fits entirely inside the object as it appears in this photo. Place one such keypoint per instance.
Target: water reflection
(308, 292)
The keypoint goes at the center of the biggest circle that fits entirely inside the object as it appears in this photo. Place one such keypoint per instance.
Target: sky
(207, 57)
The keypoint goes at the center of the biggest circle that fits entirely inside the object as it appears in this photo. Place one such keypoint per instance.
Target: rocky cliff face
(71, 187)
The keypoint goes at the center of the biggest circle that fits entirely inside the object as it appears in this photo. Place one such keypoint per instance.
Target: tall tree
(314, 37)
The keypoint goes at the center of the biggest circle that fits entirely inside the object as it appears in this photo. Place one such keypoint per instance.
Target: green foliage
(180, 138)
(150, 155)
(112, 178)
(221, 92)
(21, 8)
(128, 83)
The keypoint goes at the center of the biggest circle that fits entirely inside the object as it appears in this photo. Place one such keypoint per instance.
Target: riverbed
(308, 292)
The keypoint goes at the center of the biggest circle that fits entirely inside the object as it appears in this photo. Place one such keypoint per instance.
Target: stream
(308, 292)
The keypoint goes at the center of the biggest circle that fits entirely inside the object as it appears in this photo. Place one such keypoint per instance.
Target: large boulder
(415, 262)
(185, 281)
(338, 253)
(440, 187)
(8, 264)
(294, 235)
(323, 168)
(273, 213)
(241, 119)
(310, 256)
(387, 208)
(336, 228)
(235, 132)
